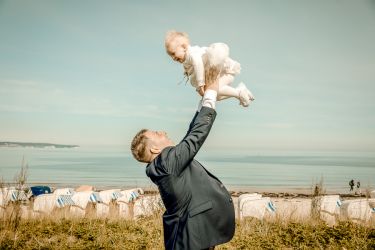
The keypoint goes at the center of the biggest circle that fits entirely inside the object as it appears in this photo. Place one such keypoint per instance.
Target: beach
(285, 208)
(133, 221)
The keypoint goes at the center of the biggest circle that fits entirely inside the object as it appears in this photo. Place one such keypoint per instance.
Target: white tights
(225, 88)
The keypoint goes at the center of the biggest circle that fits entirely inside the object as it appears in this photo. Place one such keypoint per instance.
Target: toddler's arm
(198, 69)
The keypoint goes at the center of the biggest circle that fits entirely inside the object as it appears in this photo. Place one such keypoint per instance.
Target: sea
(269, 171)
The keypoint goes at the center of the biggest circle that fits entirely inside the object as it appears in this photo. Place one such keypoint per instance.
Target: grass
(58, 232)
(146, 233)
(83, 234)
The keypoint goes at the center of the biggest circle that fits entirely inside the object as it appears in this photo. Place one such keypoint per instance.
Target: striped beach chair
(357, 210)
(84, 202)
(12, 195)
(328, 208)
(108, 206)
(256, 207)
(18, 195)
(127, 200)
(64, 200)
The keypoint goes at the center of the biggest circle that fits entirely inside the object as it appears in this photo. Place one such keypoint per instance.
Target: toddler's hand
(211, 79)
(200, 90)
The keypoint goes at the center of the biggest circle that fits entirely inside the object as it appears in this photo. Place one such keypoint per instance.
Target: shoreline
(235, 191)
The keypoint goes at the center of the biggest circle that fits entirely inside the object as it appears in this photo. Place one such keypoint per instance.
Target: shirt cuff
(208, 100)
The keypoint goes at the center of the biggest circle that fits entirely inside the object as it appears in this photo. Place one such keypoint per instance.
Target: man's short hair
(138, 146)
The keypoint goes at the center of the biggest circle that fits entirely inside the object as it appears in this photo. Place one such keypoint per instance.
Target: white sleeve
(208, 100)
(198, 68)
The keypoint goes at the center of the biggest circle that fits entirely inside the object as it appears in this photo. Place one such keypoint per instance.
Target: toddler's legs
(225, 90)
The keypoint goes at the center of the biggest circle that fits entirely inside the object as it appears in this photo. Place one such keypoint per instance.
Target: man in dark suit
(199, 209)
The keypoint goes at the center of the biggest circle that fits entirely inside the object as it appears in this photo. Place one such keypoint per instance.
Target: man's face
(158, 139)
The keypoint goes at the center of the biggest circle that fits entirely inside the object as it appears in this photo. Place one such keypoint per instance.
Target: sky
(96, 72)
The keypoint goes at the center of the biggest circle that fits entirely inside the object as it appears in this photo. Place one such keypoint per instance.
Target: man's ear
(155, 150)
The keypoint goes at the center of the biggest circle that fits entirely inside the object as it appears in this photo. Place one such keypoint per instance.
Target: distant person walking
(358, 187)
(351, 184)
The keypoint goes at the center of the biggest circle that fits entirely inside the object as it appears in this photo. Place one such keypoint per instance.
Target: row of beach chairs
(329, 208)
(80, 202)
(132, 203)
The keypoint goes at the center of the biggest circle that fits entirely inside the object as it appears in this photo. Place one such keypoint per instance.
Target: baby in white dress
(196, 60)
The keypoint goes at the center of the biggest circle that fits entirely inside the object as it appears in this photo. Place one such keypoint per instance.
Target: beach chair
(85, 203)
(255, 206)
(11, 198)
(2, 204)
(126, 202)
(64, 191)
(357, 210)
(64, 200)
(46, 204)
(38, 190)
(372, 209)
(328, 207)
(244, 197)
(147, 205)
(12, 195)
(108, 206)
(371, 203)
(297, 209)
(131, 194)
(5, 195)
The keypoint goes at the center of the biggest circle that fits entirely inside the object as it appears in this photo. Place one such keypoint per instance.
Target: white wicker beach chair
(64, 191)
(328, 207)
(358, 210)
(4, 200)
(126, 202)
(256, 206)
(11, 195)
(130, 194)
(45, 204)
(81, 200)
(246, 197)
(107, 196)
(147, 205)
(293, 209)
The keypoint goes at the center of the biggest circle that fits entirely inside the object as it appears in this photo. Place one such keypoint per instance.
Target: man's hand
(211, 79)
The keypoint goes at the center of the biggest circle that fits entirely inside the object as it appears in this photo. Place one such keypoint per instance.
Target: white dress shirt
(208, 100)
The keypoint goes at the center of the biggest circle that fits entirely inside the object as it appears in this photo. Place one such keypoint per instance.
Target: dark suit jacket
(199, 210)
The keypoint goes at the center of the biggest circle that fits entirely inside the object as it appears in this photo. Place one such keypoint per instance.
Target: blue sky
(95, 72)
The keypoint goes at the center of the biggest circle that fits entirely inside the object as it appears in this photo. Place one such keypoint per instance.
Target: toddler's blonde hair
(172, 35)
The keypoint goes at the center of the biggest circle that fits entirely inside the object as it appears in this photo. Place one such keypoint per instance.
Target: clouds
(99, 74)
(37, 97)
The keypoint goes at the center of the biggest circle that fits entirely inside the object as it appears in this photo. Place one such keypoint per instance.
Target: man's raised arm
(185, 151)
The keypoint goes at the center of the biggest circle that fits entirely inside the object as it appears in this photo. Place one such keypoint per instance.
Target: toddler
(196, 59)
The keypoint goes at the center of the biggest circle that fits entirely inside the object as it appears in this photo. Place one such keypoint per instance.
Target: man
(199, 209)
